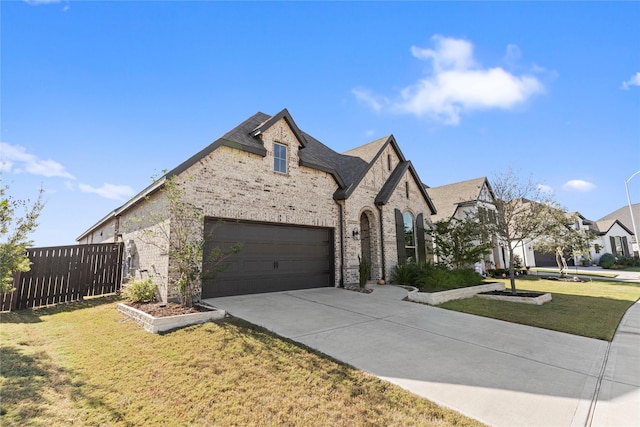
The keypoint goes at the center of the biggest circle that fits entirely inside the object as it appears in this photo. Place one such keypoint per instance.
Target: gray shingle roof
(448, 197)
(348, 169)
(624, 216)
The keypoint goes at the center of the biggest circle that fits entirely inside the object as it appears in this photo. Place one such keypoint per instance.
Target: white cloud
(633, 81)
(16, 158)
(366, 97)
(455, 84)
(109, 191)
(45, 2)
(578, 185)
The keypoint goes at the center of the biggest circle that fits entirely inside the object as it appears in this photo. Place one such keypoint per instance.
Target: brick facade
(237, 184)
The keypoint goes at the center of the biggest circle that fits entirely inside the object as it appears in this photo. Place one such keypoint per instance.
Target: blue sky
(98, 97)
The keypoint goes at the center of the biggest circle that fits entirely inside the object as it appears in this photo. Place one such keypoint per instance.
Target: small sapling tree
(566, 236)
(176, 227)
(15, 228)
(458, 242)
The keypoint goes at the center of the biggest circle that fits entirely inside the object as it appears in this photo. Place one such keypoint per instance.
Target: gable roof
(603, 226)
(368, 152)
(394, 180)
(347, 169)
(448, 198)
(624, 215)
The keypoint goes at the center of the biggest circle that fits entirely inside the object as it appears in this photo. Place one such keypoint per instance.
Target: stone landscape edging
(160, 324)
(435, 298)
(542, 299)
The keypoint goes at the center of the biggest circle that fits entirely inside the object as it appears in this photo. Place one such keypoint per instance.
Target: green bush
(607, 260)
(365, 270)
(435, 278)
(138, 290)
(628, 261)
(405, 274)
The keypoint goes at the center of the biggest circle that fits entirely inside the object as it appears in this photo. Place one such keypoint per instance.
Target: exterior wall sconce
(356, 234)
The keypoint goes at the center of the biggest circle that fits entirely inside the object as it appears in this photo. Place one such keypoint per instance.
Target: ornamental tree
(18, 219)
(176, 227)
(524, 212)
(458, 242)
(566, 237)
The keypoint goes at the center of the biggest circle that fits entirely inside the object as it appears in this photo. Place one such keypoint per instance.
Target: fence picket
(65, 274)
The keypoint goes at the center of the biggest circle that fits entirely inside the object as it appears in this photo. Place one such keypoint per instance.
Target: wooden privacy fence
(64, 274)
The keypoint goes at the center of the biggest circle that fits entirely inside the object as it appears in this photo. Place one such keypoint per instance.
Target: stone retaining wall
(436, 298)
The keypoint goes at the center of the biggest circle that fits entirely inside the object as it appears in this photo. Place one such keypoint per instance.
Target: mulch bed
(511, 294)
(564, 279)
(157, 309)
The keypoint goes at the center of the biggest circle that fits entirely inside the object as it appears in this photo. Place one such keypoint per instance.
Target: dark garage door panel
(273, 258)
(549, 260)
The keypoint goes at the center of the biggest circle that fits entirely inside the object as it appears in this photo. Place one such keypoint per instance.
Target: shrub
(438, 277)
(517, 262)
(405, 274)
(628, 261)
(364, 269)
(138, 290)
(607, 260)
(498, 272)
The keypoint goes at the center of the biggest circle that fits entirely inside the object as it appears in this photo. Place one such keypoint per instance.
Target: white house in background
(612, 236)
(474, 197)
(623, 215)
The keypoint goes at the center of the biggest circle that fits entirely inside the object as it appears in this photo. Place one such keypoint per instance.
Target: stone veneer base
(436, 298)
(161, 324)
(544, 298)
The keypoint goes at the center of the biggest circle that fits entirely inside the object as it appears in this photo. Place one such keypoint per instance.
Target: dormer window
(280, 158)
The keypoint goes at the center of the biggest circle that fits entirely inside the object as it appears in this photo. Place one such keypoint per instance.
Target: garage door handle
(275, 265)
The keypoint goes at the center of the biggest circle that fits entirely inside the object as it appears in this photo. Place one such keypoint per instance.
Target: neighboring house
(612, 236)
(472, 197)
(623, 216)
(304, 213)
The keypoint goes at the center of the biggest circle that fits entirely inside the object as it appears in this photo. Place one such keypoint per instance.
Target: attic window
(389, 161)
(280, 158)
(406, 188)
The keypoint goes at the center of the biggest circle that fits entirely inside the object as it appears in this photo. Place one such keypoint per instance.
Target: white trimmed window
(280, 158)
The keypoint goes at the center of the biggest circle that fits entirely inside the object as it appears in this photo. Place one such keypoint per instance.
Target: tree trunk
(512, 277)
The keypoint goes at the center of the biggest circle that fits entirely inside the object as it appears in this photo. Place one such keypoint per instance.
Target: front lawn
(590, 309)
(86, 364)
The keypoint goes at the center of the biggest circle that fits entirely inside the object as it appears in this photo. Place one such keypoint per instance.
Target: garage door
(273, 258)
(544, 259)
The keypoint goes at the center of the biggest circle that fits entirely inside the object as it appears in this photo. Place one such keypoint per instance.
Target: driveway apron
(497, 372)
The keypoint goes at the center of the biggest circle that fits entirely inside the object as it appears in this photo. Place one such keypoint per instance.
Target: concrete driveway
(500, 373)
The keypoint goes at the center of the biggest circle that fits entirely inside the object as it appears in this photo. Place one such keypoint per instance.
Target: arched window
(409, 236)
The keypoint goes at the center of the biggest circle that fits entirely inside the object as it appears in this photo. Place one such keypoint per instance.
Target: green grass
(591, 309)
(86, 364)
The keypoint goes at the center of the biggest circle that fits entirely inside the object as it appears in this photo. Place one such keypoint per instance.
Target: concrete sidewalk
(500, 373)
(618, 398)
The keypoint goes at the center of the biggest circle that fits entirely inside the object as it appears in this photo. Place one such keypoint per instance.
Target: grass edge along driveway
(86, 364)
(591, 309)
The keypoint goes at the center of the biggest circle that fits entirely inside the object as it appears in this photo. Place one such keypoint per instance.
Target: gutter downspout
(384, 267)
(341, 216)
